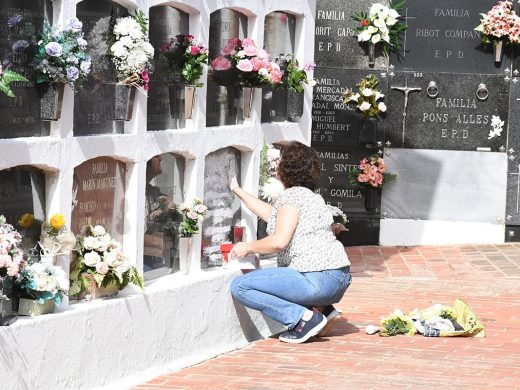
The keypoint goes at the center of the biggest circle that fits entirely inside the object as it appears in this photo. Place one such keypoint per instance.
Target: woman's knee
(235, 286)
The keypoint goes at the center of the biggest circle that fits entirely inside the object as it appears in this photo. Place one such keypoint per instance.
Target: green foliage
(373, 160)
(396, 326)
(142, 20)
(7, 77)
(293, 77)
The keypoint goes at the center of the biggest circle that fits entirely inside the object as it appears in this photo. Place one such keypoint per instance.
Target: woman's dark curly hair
(299, 165)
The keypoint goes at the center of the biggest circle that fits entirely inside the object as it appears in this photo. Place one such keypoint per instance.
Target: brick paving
(487, 277)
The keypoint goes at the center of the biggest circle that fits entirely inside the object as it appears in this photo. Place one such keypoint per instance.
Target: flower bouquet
(371, 174)
(131, 53)
(61, 58)
(498, 26)
(101, 268)
(397, 323)
(166, 217)
(7, 77)
(241, 62)
(191, 217)
(185, 56)
(270, 187)
(380, 25)
(43, 286)
(338, 215)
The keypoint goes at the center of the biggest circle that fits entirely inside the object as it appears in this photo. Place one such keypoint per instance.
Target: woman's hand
(233, 183)
(338, 228)
(240, 249)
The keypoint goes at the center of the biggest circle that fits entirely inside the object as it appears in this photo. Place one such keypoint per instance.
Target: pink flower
(221, 63)
(245, 66)
(189, 38)
(276, 75)
(262, 54)
(145, 76)
(102, 268)
(309, 67)
(195, 50)
(248, 42)
(228, 49)
(250, 50)
(257, 63)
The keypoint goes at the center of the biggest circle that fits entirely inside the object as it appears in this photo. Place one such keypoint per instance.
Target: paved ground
(486, 277)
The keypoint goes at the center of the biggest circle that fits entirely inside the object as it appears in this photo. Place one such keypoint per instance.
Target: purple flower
(13, 21)
(72, 73)
(85, 66)
(309, 67)
(54, 49)
(20, 46)
(82, 43)
(75, 25)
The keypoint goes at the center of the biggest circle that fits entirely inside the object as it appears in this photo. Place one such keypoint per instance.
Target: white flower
(200, 208)
(371, 29)
(102, 268)
(379, 95)
(91, 243)
(385, 37)
(241, 54)
(114, 244)
(365, 106)
(391, 21)
(376, 38)
(263, 71)
(367, 92)
(364, 36)
(128, 27)
(272, 189)
(99, 230)
(183, 206)
(379, 10)
(311, 82)
(354, 98)
(393, 14)
(91, 259)
(496, 122)
(197, 200)
(379, 23)
(109, 258)
(381, 107)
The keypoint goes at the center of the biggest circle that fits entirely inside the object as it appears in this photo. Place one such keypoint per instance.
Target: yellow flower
(57, 221)
(26, 221)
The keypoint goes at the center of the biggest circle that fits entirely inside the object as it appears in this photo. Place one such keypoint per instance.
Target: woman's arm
(257, 206)
(286, 223)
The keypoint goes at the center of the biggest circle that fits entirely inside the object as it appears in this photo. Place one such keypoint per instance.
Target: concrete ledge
(408, 232)
(179, 321)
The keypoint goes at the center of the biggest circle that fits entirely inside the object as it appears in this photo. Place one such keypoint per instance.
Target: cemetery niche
(166, 93)
(22, 201)
(94, 103)
(224, 99)
(21, 22)
(223, 206)
(98, 196)
(163, 194)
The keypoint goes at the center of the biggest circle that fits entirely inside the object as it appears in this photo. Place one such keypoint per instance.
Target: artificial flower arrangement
(43, 282)
(337, 214)
(367, 100)
(130, 50)
(191, 216)
(61, 56)
(185, 55)
(295, 77)
(55, 237)
(242, 62)
(6, 78)
(371, 173)
(270, 187)
(166, 217)
(11, 254)
(100, 259)
(381, 24)
(498, 26)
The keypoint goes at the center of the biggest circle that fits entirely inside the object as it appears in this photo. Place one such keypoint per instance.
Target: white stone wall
(179, 318)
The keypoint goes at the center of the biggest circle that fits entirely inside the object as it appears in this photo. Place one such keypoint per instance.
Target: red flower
(195, 50)
(364, 23)
(189, 38)
(145, 76)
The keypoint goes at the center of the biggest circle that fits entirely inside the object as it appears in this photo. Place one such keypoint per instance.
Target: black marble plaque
(335, 44)
(453, 120)
(95, 101)
(279, 36)
(512, 233)
(164, 185)
(224, 103)
(361, 231)
(441, 38)
(98, 196)
(21, 22)
(223, 205)
(22, 190)
(334, 185)
(165, 96)
(334, 123)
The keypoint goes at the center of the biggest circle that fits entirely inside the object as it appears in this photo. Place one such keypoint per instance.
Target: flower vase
(124, 102)
(498, 49)
(368, 133)
(7, 315)
(371, 54)
(51, 101)
(189, 100)
(63, 261)
(294, 105)
(247, 101)
(31, 307)
(185, 244)
(96, 292)
(48, 259)
(372, 196)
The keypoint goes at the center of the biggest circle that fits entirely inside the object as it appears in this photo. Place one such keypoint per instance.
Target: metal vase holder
(371, 54)
(189, 100)
(294, 105)
(247, 101)
(368, 132)
(124, 102)
(498, 49)
(51, 101)
(372, 196)
(185, 244)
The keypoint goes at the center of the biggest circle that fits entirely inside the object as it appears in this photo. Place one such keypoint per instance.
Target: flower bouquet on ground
(42, 286)
(397, 323)
(7, 77)
(499, 26)
(101, 268)
(185, 56)
(380, 25)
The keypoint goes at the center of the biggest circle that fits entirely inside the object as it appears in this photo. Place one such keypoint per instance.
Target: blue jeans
(284, 294)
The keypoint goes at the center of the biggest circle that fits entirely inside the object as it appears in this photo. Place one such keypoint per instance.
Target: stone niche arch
(98, 196)
(166, 93)
(223, 205)
(22, 191)
(164, 189)
(223, 104)
(94, 103)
